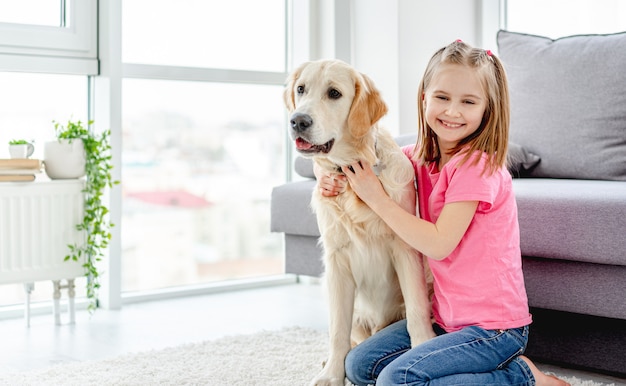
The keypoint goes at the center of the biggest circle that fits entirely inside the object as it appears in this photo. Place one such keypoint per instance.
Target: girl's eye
(442, 97)
(300, 89)
(469, 102)
(334, 94)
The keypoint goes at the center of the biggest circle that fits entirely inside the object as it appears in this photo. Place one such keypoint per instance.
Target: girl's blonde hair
(492, 135)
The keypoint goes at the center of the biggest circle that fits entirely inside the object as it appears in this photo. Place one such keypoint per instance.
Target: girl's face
(454, 104)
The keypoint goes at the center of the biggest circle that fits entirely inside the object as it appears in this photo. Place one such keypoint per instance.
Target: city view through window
(199, 163)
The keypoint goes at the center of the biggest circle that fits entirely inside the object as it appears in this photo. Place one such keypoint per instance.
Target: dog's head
(330, 102)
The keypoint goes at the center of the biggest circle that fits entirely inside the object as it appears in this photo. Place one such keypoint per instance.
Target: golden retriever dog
(372, 277)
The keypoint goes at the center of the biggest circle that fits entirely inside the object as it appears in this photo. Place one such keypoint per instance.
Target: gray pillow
(568, 102)
(520, 161)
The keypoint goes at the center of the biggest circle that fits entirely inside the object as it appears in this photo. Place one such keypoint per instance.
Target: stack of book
(19, 169)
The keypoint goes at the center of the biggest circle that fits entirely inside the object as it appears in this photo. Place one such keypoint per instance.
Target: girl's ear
(367, 106)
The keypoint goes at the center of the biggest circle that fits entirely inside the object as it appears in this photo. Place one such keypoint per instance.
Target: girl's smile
(451, 125)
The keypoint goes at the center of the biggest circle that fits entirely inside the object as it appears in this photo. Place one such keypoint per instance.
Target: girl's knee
(356, 370)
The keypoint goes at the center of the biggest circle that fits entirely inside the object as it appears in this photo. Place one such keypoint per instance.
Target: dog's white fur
(370, 273)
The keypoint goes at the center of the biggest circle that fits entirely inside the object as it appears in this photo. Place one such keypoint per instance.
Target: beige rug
(289, 357)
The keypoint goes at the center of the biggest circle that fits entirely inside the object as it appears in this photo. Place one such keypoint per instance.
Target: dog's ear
(367, 107)
(288, 97)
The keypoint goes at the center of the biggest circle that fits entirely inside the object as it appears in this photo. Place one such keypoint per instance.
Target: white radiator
(37, 223)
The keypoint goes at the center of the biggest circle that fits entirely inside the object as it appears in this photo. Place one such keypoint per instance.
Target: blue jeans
(471, 356)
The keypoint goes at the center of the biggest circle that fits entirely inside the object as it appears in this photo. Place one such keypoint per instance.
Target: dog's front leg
(410, 269)
(340, 287)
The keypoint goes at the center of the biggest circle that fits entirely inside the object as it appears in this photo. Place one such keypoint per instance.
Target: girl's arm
(437, 240)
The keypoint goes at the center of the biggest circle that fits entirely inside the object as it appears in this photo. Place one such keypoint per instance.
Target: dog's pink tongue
(301, 144)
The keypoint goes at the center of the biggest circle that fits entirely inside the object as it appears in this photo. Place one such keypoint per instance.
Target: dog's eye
(334, 94)
(300, 89)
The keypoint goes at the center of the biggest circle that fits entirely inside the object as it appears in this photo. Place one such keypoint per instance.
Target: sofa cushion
(577, 220)
(304, 167)
(568, 103)
(584, 288)
(291, 209)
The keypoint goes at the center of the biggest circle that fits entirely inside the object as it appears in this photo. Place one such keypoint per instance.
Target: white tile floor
(164, 323)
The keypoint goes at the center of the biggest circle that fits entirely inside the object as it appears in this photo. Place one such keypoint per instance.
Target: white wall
(376, 51)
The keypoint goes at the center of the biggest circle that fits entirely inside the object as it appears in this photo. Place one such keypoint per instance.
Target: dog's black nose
(300, 122)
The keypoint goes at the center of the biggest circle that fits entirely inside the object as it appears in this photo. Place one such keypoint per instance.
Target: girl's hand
(364, 182)
(329, 184)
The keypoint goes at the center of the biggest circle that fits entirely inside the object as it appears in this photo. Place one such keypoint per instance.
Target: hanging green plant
(98, 166)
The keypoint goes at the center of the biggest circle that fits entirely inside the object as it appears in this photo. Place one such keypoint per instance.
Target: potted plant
(64, 158)
(20, 148)
(96, 153)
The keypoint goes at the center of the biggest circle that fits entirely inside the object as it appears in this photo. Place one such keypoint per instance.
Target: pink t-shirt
(481, 282)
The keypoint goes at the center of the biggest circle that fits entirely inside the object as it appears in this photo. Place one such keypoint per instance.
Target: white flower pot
(21, 151)
(64, 160)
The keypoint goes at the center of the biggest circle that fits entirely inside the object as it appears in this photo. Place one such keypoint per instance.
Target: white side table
(37, 223)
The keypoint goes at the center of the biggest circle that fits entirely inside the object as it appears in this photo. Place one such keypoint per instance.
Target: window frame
(63, 50)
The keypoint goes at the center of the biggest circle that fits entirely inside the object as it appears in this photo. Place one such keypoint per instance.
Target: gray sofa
(568, 143)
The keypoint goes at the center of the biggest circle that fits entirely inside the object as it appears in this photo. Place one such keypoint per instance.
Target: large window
(557, 18)
(203, 140)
